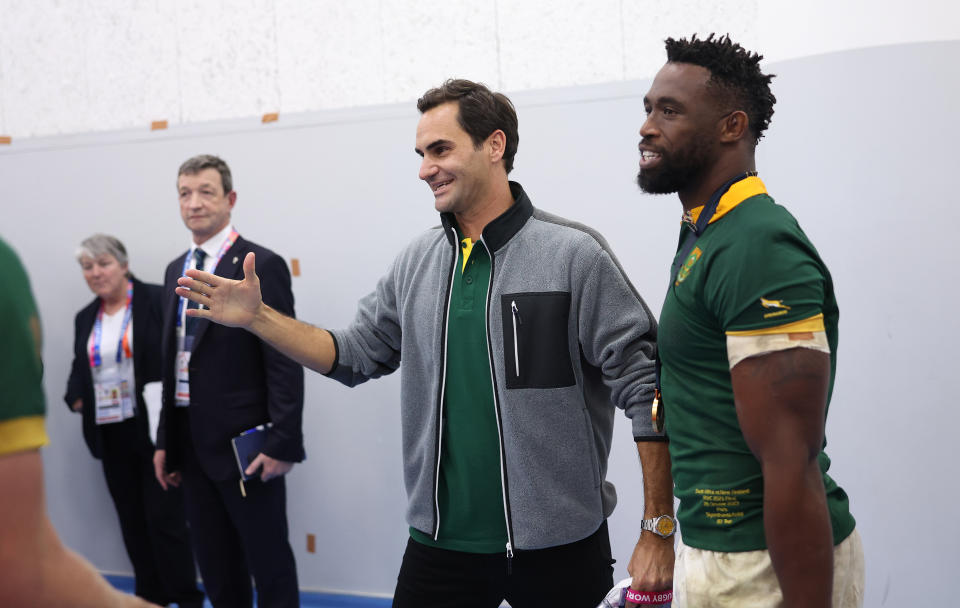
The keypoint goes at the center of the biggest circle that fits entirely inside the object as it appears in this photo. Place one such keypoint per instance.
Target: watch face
(665, 526)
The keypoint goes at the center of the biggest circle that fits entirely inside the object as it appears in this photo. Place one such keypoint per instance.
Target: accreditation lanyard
(123, 347)
(695, 232)
(227, 244)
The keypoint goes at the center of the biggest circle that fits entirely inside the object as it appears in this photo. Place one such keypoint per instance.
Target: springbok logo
(687, 265)
(778, 308)
(773, 304)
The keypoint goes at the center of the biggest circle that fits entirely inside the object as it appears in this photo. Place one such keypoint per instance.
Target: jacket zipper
(496, 406)
(516, 350)
(441, 391)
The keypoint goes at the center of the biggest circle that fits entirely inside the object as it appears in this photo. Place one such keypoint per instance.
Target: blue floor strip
(307, 600)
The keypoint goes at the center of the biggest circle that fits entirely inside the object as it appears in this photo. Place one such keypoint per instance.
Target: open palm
(226, 301)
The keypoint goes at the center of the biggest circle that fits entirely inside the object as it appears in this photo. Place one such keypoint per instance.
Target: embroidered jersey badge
(779, 307)
(687, 265)
(773, 304)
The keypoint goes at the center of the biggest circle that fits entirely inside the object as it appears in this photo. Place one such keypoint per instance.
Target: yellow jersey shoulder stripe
(814, 323)
(21, 434)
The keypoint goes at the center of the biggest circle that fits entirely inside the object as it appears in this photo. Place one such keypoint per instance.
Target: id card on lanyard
(184, 341)
(112, 390)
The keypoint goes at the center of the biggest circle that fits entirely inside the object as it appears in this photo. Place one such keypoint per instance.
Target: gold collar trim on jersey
(738, 192)
(466, 246)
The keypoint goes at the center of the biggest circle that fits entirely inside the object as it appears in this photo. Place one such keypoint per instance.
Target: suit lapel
(87, 319)
(138, 328)
(169, 310)
(231, 264)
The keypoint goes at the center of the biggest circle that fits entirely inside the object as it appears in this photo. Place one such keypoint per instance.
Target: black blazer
(236, 381)
(146, 321)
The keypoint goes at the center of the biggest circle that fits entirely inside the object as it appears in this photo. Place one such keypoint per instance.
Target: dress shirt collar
(212, 245)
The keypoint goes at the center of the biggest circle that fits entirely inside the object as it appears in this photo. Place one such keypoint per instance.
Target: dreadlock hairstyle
(734, 71)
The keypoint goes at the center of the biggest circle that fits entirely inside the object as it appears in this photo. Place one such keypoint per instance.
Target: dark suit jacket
(236, 381)
(146, 359)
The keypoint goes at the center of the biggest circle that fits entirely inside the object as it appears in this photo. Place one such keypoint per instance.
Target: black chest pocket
(535, 339)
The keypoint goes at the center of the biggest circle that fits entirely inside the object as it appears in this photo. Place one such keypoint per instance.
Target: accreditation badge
(182, 396)
(113, 398)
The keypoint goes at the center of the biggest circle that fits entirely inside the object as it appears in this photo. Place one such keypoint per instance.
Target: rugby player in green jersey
(36, 569)
(747, 347)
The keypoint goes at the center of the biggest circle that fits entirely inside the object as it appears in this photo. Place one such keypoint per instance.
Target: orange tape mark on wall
(5, 139)
(311, 543)
(158, 125)
(295, 266)
(270, 117)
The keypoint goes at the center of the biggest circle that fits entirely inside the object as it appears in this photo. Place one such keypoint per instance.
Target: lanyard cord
(709, 210)
(123, 346)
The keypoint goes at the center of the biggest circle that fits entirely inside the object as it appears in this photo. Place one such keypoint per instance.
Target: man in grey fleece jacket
(519, 332)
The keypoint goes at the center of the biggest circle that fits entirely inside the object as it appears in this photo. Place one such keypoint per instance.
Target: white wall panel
(131, 64)
(3, 117)
(42, 46)
(646, 23)
(789, 29)
(228, 58)
(77, 66)
(330, 54)
(544, 43)
(428, 41)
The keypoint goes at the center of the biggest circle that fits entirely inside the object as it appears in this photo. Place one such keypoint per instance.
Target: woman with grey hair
(116, 352)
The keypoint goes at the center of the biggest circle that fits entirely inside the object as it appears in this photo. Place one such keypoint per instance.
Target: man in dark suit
(217, 383)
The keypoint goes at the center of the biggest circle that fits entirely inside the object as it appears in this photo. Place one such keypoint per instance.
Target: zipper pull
(516, 349)
(509, 558)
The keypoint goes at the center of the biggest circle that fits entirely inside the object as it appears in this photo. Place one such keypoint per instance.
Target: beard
(677, 169)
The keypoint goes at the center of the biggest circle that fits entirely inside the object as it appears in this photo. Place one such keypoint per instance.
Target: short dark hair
(195, 165)
(735, 71)
(481, 112)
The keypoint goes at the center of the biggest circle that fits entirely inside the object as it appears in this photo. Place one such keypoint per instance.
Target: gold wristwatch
(663, 525)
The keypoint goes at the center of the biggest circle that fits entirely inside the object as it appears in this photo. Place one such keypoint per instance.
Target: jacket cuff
(336, 354)
(651, 438)
(283, 448)
(643, 426)
(68, 401)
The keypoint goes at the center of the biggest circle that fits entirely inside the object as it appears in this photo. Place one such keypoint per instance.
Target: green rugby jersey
(752, 270)
(21, 375)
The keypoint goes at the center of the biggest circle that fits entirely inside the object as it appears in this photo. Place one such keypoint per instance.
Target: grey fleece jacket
(568, 338)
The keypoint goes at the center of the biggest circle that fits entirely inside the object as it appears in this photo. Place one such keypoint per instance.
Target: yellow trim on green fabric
(21, 434)
(814, 323)
(739, 192)
(467, 248)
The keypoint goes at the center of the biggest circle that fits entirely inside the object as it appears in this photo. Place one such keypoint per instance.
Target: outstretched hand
(226, 301)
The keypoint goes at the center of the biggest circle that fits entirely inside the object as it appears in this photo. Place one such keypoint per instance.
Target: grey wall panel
(861, 150)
